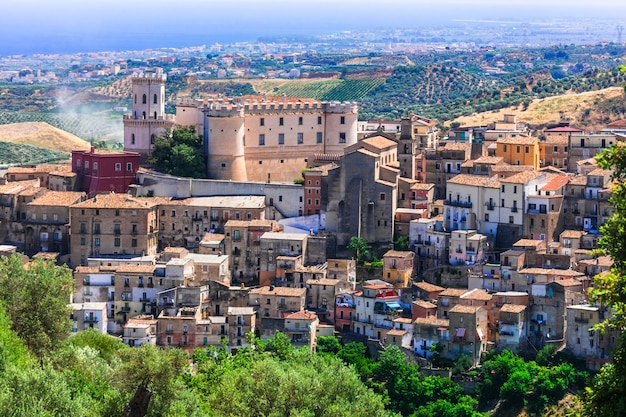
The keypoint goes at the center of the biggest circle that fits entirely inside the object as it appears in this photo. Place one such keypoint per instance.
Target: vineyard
(329, 90)
(12, 154)
(90, 127)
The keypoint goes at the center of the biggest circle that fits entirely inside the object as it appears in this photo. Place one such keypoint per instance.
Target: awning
(460, 332)
(394, 306)
(442, 329)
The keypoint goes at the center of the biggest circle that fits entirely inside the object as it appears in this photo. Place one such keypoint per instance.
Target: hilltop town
(391, 233)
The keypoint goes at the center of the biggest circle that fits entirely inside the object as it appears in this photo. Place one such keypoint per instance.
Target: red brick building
(103, 171)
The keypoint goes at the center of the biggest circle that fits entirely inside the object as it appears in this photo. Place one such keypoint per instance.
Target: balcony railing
(470, 250)
(458, 203)
(145, 299)
(581, 320)
(514, 209)
(91, 319)
(490, 206)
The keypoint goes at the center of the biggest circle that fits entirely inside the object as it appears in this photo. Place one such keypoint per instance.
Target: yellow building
(520, 150)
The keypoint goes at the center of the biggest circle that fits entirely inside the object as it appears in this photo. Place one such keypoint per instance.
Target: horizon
(72, 26)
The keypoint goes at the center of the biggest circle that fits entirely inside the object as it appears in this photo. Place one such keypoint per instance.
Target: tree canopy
(179, 152)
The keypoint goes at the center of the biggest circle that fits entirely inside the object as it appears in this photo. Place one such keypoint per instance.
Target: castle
(248, 138)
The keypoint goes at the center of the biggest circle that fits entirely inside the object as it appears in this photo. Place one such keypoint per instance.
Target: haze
(67, 26)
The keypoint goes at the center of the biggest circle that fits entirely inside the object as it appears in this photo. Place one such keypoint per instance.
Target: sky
(46, 26)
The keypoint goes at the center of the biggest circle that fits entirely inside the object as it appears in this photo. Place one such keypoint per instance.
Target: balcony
(145, 299)
(91, 319)
(490, 206)
(581, 320)
(514, 209)
(126, 309)
(470, 250)
(575, 211)
(458, 203)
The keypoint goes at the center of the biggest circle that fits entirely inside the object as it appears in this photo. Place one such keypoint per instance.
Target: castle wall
(281, 200)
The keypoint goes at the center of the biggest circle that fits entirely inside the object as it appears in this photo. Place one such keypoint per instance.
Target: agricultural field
(103, 126)
(12, 154)
(326, 90)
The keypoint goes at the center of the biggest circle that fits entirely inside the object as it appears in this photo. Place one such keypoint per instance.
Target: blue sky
(93, 25)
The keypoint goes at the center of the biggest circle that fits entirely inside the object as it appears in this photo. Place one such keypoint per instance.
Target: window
(134, 243)
(486, 217)
(502, 205)
(261, 139)
(382, 196)
(82, 241)
(236, 235)
(300, 120)
(281, 138)
(129, 166)
(527, 150)
(503, 146)
(511, 219)
(144, 99)
(95, 167)
(319, 120)
(262, 121)
(281, 122)
(118, 167)
(502, 187)
(300, 138)
(515, 189)
(342, 137)
(319, 137)
(556, 149)
(116, 242)
(96, 241)
(517, 149)
(154, 99)
(342, 120)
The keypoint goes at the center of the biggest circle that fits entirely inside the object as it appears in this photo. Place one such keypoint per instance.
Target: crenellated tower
(148, 119)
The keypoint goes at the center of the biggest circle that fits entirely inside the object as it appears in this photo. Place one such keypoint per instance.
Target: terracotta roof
(86, 270)
(427, 286)
(600, 172)
(477, 294)
(556, 140)
(136, 269)
(323, 281)
(422, 186)
(604, 261)
(402, 320)
(522, 177)
(511, 168)
(578, 180)
(399, 254)
(512, 308)
(588, 161)
(58, 198)
(424, 304)
(455, 147)
(568, 282)
(556, 183)
(280, 291)
(380, 142)
(471, 180)
(618, 124)
(106, 201)
(489, 160)
(432, 321)
(464, 309)
(551, 271)
(42, 168)
(528, 242)
(396, 332)
(518, 140)
(452, 292)
(573, 234)
(302, 315)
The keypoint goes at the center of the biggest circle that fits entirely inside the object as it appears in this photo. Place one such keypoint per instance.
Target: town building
(103, 171)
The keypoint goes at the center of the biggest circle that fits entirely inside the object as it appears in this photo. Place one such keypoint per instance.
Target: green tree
(359, 246)
(35, 298)
(401, 243)
(607, 395)
(178, 152)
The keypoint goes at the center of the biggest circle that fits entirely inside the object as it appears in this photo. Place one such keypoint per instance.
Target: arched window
(135, 98)
(144, 99)
(143, 114)
(155, 99)
(132, 139)
(155, 116)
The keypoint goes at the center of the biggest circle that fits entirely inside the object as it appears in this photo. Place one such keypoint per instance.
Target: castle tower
(406, 146)
(148, 120)
(224, 141)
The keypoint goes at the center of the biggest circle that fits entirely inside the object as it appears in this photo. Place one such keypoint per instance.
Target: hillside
(591, 110)
(41, 135)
